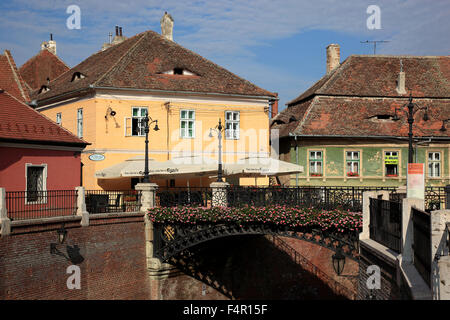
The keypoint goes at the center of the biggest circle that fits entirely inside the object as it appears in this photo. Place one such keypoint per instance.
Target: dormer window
(382, 118)
(292, 119)
(77, 76)
(43, 89)
(180, 72)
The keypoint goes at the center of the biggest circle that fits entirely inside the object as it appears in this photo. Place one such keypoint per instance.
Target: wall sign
(391, 160)
(97, 157)
(416, 181)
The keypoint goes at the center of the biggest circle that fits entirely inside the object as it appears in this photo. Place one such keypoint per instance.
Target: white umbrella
(261, 166)
(187, 166)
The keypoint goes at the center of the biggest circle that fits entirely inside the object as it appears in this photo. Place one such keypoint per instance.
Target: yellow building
(104, 98)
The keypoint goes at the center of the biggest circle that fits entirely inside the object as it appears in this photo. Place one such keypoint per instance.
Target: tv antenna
(374, 44)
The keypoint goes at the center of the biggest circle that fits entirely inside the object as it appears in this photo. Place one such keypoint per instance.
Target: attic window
(77, 76)
(382, 117)
(292, 119)
(43, 89)
(179, 71)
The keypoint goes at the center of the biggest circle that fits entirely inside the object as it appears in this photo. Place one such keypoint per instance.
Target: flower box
(352, 174)
(392, 175)
(316, 174)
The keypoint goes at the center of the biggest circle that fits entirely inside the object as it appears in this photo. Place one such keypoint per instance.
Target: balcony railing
(183, 196)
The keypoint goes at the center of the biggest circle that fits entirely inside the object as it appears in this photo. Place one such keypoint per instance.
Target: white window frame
(80, 122)
(59, 118)
(42, 200)
(232, 134)
(352, 160)
(141, 127)
(390, 153)
(314, 160)
(187, 120)
(434, 163)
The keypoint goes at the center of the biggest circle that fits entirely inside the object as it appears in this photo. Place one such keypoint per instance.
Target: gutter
(367, 137)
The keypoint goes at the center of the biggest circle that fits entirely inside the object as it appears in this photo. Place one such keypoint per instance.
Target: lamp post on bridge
(410, 114)
(147, 122)
(218, 129)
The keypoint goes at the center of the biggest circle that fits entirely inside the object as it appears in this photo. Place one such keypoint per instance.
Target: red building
(36, 154)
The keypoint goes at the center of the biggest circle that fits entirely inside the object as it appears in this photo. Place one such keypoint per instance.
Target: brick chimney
(333, 57)
(167, 26)
(275, 107)
(50, 45)
(401, 80)
(118, 38)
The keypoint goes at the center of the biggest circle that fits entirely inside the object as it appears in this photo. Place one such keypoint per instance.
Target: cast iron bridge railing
(422, 243)
(386, 223)
(171, 239)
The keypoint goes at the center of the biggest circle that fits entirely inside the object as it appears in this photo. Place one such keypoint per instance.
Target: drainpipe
(296, 160)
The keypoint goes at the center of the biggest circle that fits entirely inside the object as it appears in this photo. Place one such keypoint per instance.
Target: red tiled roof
(357, 117)
(21, 123)
(40, 67)
(346, 101)
(10, 79)
(376, 76)
(139, 63)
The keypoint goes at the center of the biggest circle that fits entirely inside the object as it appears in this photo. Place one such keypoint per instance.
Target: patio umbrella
(185, 166)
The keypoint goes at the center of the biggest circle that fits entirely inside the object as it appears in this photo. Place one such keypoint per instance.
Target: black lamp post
(218, 129)
(411, 113)
(338, 262)
(148, 121)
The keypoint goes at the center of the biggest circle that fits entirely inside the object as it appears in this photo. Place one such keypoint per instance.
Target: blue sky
(278, 45)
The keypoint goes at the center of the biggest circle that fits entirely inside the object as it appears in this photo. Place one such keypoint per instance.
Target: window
(315, 163)
(352, 160)
(391, 163)
(232, 125)
(434, 164)
(80, 122)
(35, 183)
(187, 124)
(137, 121)
(58, 118)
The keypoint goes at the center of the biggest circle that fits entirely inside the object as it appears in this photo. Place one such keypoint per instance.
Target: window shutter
(127, 126)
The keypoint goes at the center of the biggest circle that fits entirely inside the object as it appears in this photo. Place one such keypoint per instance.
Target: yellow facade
(110, 135)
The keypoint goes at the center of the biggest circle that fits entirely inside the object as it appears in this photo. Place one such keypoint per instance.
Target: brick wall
(109, 252)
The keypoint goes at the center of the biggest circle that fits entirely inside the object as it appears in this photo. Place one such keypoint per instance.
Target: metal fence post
(447, 196)
(4, 220)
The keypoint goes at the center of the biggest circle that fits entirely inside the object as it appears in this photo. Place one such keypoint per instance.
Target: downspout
(296, 160)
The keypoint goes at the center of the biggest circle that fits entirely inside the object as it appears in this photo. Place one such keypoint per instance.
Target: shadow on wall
(246, 267)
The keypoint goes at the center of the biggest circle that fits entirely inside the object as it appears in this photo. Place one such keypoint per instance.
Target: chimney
(275, 107)
(167, 26)
(50, 45)
(117, 31)
(401, 80)
(333, 57)
(120, 31)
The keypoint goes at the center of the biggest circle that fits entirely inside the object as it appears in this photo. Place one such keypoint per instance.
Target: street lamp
(411, 113)
(218, 129)
(148, 121)
(338, 262)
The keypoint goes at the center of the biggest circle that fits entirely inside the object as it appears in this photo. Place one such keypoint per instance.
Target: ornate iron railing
(434, 198)
(23, 205)
(327, 198)
(102, 201)
(422, 243)
(183, 196)
(386, 223)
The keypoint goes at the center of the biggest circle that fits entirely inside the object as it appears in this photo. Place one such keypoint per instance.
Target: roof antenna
(374, 44)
